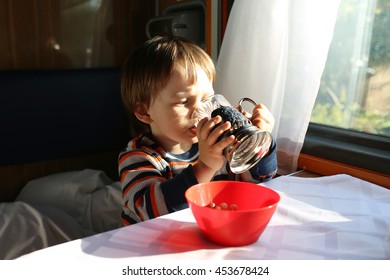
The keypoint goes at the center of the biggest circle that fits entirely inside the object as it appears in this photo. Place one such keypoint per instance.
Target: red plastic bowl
(255, 207)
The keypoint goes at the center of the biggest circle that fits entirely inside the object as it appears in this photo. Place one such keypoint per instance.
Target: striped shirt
(154, 181)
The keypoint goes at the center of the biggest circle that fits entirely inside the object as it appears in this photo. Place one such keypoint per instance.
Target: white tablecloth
(335, 217)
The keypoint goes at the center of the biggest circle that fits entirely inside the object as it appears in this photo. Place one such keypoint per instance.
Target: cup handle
(247, 99)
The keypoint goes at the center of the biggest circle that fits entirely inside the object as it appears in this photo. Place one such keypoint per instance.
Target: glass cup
(251, 144)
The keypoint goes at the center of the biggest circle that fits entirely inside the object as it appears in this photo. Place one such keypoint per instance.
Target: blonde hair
(147, 71)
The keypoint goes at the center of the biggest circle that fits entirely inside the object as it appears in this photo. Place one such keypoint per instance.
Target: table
(329, 218)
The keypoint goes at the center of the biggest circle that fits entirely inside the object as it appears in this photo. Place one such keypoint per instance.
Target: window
(350, 121)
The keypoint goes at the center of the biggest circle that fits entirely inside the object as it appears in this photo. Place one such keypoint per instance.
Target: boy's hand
(261, 117)
(211, 156)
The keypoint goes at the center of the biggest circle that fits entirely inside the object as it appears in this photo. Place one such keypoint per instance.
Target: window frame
(362, 150)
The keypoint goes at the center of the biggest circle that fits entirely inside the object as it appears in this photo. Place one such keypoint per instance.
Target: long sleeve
(152, 184)
(264, 170)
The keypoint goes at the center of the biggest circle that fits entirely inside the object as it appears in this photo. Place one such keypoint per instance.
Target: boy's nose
(198, 103)
(196, 114)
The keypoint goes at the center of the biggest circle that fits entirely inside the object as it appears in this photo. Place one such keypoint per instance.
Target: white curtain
(274, 52)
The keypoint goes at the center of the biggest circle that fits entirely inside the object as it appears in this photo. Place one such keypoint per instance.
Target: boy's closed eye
(187, 101)
(183, 101)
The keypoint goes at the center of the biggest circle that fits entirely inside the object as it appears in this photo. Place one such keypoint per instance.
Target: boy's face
(171, 111)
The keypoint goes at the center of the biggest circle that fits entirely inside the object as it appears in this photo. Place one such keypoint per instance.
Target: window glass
(355, 88)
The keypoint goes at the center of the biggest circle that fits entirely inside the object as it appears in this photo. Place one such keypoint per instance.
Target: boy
(162, 83)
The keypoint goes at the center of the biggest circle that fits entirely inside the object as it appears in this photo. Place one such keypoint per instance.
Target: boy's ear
(141, 113)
